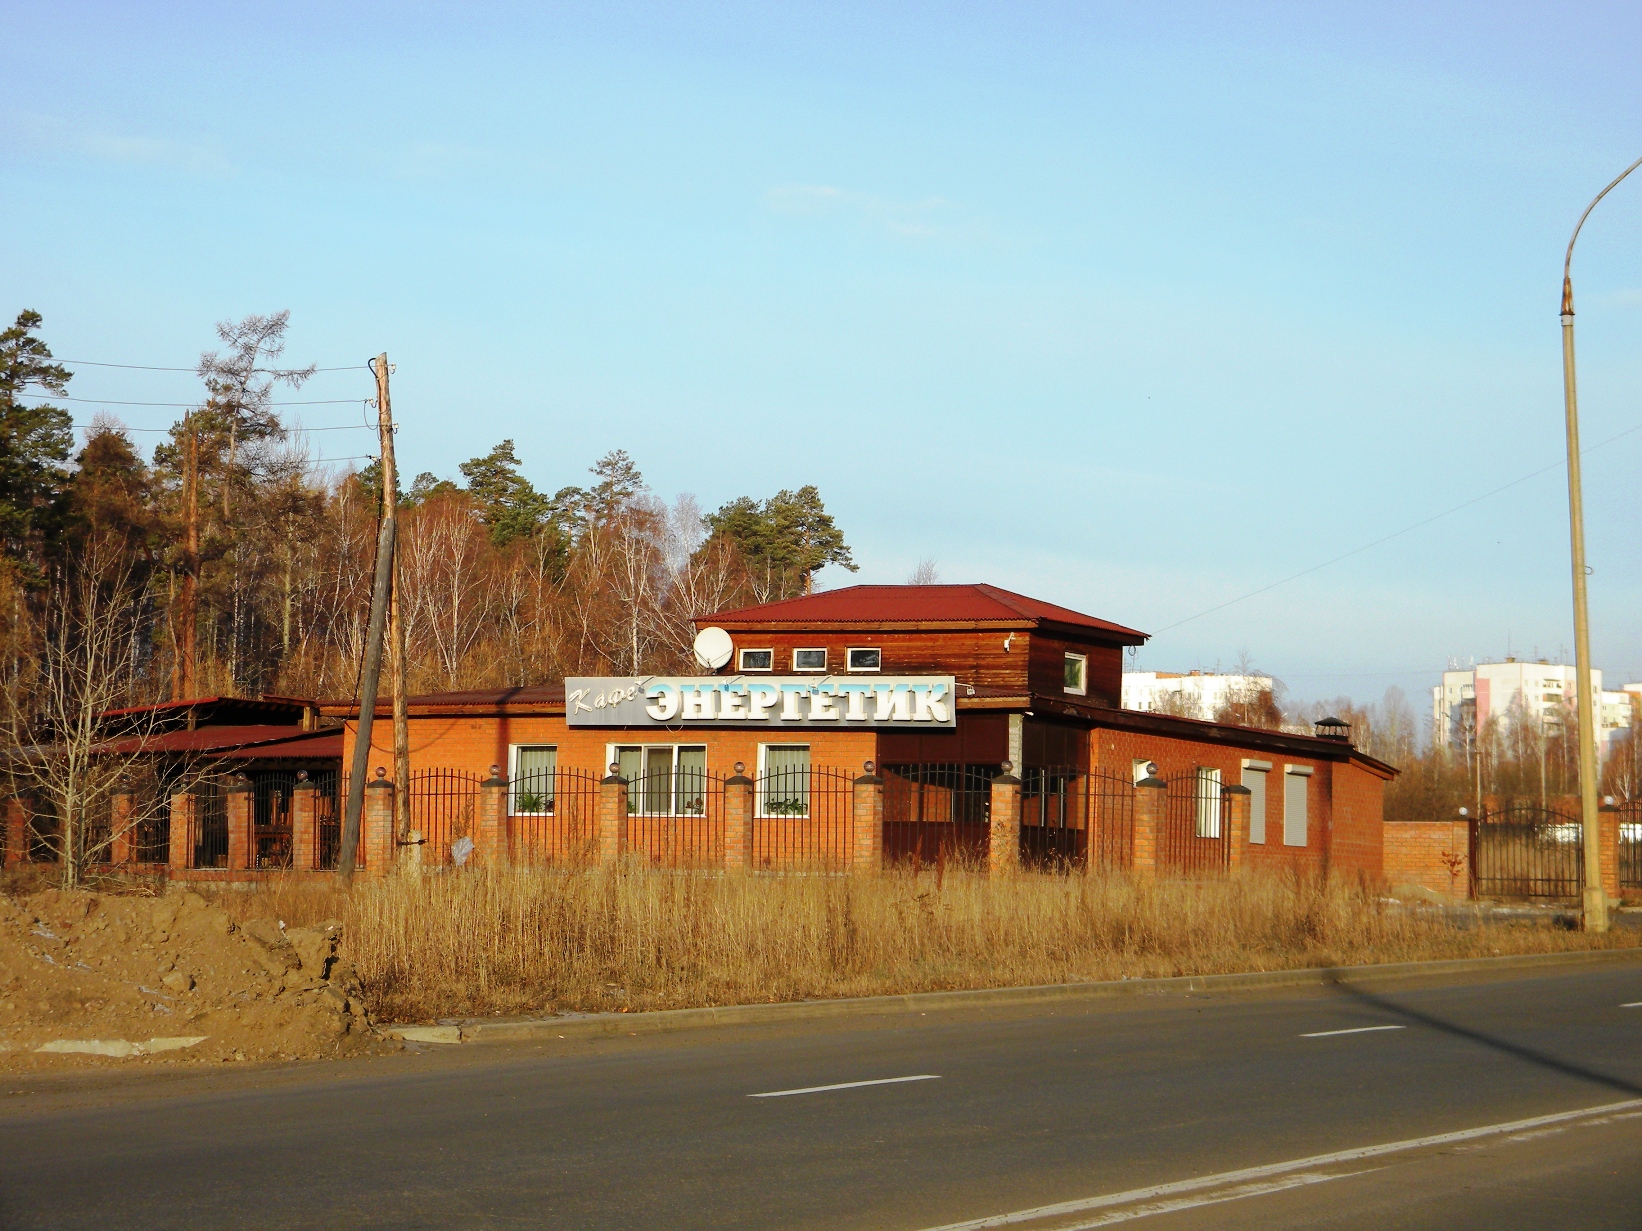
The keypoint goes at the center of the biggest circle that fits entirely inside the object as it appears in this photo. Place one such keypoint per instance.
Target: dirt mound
(171, 978)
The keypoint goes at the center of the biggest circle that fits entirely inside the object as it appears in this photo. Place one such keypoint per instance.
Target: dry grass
(536, 939)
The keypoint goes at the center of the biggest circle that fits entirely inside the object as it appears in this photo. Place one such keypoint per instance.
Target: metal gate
(208, 834)
(1054, 817)
(1527, 851)
(937, 813)
(444, 805)
(1630, 844)
(1196, 824)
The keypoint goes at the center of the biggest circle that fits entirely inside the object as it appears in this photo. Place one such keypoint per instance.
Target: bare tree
(925, 574)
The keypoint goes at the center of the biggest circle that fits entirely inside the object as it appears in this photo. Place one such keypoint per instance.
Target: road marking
(1272, 1170)
(1635, 1004)
(847, 1085)
(1326, 1034)
(1191, 1203)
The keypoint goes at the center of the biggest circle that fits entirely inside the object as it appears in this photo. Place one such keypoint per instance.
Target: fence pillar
(491, 839)
(867, 824)
(378, 824)
(184, 809)
(17, 832)
(612, 816)
(1238, 801)
(122, 847)
(1004, 849)
(304, 824)
(738, 821)
(1151, 803)
(241, 807)
(1607, 822)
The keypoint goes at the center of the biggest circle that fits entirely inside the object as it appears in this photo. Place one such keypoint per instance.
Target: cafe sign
(915, 701)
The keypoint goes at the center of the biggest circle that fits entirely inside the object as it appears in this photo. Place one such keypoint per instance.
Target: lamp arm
(1568, 260)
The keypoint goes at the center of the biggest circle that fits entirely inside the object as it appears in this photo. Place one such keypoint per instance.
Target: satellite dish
(713, 648)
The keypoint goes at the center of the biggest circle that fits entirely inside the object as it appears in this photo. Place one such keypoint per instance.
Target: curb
(593, 1025)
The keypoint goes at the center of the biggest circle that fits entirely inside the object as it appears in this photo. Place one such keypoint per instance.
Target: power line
(187, 405)
(144, 367)
(346, 427)
(1396, 533)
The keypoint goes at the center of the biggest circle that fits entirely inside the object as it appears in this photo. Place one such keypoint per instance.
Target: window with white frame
(1077, 672)
(663, 779)
(1295, 781)
(783, 780)
(756, 660)
(530, 777)
(864, 659)
(1254, 777)
(809, 660)
(1208, 802)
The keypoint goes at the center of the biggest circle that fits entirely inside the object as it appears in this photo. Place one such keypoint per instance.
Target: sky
(1138, 309)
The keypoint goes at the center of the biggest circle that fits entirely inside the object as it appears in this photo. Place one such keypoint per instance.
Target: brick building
(938, 693)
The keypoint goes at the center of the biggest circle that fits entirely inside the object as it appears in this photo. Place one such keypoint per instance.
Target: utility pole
(1596, 895)
(396, 620)
(381, 594)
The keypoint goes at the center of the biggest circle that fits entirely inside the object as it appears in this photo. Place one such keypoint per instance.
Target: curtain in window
(690, 782)
(1208, 803)
(532, 785)
(786, 785)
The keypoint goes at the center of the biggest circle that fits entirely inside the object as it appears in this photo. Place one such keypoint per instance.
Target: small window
(866, 660)
(784, 783)
(1077, 668)
(530, 785)
(757, 660)
(1208, 802)
(809, 660)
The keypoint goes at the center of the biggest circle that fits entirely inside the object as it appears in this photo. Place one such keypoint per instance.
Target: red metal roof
(241, 740)
(916, 604)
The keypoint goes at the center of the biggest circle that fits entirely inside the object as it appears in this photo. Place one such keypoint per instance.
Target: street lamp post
(1596, 896)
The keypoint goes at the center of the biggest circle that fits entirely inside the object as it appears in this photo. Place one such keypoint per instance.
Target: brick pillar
(304, 824)
(183, 810)
(490, 842)
(17, 832)
(1150, 803)
(123, 848)
(1238, 801)
(1607, 821)
(612, 817)
(867, 824)
(241, 816)
(738, 821)
(1004, 851)
(378, 823)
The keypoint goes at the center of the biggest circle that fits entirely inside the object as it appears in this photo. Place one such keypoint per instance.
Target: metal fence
(444, 805)
(554, 816)
(675, 818)
(936, 814)
(1112, 815)
(802, 819)
(1630, 844)
(1196, 833)
(1527, 851)
(271, 827)
(208, 829)
(330, 796)
(1054, 817)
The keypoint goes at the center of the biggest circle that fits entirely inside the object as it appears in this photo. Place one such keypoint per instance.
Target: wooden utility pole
(381, 596)
(396, 620)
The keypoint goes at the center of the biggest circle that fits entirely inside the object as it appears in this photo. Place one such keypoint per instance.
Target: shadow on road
(1494, 1043)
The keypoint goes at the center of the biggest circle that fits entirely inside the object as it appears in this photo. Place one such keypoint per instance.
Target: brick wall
(1415, 850)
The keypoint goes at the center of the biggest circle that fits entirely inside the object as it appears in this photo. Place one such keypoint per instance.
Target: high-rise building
(1544, 693)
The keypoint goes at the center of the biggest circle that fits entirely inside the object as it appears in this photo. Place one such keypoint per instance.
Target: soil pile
(171, 978)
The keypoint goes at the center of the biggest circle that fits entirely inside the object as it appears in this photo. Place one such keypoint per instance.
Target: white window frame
(635, 808)
(1258, 783)
(741, 659)
(809, 649)
(1210, 794)
(1297, 826)
(513, 751)
(1082, 660)
(761, 802)
(852, 651)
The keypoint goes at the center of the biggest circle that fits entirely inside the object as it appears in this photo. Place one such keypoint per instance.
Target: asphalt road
(1178, 1112)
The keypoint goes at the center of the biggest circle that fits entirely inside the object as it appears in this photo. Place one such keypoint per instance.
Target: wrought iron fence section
(937, 813)
(1528, 851)
(208, 826)
(1112, 820)
(444, 806)
(675, 818)
(330, 797)
(1196, 833)
(554, 816)
(1630, 844)
(271, 820)
(1054, 817)
(803, 819)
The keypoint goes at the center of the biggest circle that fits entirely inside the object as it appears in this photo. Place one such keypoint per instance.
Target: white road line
(1635, 1004)
(1155, 1208)
(1271, 1170)
(1328, 1034)
(847, 1085)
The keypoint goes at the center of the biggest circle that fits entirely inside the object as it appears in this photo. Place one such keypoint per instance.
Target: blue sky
(1135, 308)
